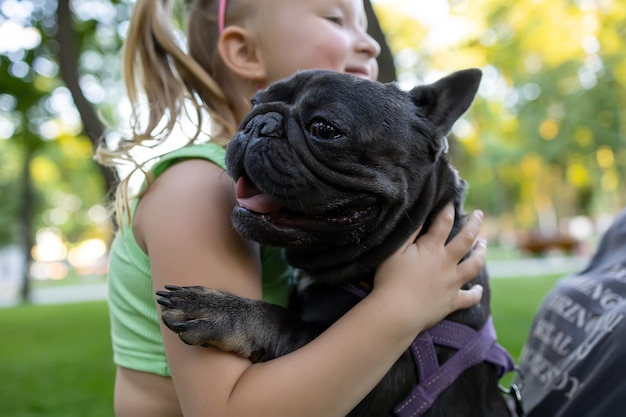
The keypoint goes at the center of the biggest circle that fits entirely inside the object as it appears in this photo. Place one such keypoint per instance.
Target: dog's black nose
(266, 125)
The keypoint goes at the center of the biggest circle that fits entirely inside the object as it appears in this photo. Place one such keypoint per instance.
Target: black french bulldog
(339, 171)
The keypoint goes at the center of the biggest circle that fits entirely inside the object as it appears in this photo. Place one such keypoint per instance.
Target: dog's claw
(179, 326)
(164, 301)
(173, 287)
(162, 293)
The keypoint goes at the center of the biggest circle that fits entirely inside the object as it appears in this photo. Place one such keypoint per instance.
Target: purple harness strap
(473, 347)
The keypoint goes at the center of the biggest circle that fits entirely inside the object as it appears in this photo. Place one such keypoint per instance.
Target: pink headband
(221, 16)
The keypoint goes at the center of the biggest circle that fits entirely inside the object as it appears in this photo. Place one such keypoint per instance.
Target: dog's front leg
(250, 328)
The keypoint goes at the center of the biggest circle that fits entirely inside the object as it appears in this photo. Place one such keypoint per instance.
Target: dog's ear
(447, 99)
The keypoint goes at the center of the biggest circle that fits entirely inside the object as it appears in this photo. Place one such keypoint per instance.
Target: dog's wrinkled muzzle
(267, 125)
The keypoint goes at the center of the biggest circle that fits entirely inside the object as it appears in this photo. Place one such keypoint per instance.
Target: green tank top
(134, 317)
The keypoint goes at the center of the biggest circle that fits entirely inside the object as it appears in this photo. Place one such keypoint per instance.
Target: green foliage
(548, 129)
(56, 361)
(70, 183)
(9, 190)
(47, 145)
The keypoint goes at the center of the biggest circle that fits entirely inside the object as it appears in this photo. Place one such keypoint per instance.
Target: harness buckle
(516, 395)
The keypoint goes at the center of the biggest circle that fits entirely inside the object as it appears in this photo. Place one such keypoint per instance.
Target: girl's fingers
(442, 226)
(463, 241)
(411, 240)
(469, 297)
(458, 246)
(470, 267)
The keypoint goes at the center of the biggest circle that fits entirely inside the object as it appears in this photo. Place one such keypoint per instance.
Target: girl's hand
(421, 282)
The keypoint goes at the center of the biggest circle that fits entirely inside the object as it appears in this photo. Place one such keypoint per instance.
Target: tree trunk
(68, 64)
(26, 221)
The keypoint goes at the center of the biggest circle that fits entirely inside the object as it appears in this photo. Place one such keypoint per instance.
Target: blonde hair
(169, 78)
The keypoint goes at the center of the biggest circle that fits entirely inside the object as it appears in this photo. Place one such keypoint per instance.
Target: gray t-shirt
(574, 361)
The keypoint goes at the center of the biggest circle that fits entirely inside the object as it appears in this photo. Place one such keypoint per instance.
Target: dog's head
(340, 170)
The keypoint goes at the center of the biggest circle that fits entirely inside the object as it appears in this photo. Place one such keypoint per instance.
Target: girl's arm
(184, 224)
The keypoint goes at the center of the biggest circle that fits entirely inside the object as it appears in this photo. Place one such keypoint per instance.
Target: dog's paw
(205, 317)
(181, 304)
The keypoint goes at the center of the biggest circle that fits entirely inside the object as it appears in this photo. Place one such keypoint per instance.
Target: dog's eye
(324, 130)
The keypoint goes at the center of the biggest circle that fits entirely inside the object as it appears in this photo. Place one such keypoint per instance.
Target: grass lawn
(56, 360)
(514, 302)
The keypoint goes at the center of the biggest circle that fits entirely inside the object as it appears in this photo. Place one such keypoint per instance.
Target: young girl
(179, 232)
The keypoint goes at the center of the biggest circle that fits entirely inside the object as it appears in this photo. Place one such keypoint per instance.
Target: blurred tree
(54, 183)
(68, 58)
(545, 138)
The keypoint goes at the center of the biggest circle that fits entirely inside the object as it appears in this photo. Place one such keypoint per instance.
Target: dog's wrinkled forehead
(337, 93)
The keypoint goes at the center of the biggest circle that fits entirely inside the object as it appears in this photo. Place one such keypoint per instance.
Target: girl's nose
(368, 45)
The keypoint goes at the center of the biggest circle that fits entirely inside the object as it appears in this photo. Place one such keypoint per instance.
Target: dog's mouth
(270, 209)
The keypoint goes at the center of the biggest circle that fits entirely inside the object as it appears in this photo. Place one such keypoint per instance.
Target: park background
(542, 149)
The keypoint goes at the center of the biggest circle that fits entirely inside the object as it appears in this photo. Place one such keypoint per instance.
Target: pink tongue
(250, 197)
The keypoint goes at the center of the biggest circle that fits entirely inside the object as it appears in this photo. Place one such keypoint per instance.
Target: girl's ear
(240, 53)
